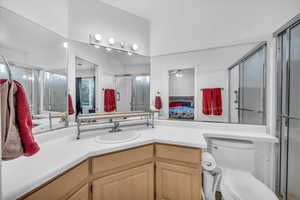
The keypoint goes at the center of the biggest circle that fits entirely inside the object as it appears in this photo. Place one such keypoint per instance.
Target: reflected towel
(109, 100)
(70, 105)
(206, 101)
(158, 104)
(217, 101)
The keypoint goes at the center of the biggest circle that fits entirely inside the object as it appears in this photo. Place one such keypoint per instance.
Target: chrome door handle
(290, 117)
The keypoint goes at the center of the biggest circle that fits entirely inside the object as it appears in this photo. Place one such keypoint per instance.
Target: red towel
(70, 105)
(109, 100)
(24, 122)
(158, 104)
(206, 101)
(217, 101)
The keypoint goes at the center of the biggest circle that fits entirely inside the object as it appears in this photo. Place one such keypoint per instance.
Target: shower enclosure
(288, 110)
(247, 88)
(133, 92)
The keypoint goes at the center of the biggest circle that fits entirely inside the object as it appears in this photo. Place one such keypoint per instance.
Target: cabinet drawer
(177, 153)
(61, 186)
(121, 159)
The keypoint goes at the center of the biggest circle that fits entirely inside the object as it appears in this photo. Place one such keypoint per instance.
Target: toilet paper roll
(208, 161)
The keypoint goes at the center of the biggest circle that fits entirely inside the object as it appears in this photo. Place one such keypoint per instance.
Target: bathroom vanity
(147, 172)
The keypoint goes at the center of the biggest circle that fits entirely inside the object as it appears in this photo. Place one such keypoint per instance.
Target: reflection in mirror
(247, 88)
(103, 75)
(234, 94)
(181, 94)
(37, 60)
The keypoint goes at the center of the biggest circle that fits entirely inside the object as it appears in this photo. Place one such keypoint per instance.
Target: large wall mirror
(102, 72)
(231, 94)
(37, 58)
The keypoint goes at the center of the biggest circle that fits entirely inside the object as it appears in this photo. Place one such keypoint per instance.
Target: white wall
(212, 79)
(178, 25)
(183, 86)
(137, 69)
(220, 58)
(85, 73)
(50, 14)
(93, 16)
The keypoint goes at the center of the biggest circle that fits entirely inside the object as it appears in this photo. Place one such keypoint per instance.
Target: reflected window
(87, 92)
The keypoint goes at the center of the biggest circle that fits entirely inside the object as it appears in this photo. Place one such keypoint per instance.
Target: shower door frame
(282, 129)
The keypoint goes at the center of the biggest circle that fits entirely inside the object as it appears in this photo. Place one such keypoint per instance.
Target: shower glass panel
(55, 90)
(124, 92)
(141, 92)
(133, 92)
(251, 91)
(29, 79)
(293, 192)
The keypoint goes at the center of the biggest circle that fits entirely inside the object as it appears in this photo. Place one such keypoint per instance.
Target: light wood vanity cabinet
(131, 184)
(150, 172)
(174, 182)
(81, 194)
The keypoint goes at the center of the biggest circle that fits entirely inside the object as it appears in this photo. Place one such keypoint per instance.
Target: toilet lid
(241, 185)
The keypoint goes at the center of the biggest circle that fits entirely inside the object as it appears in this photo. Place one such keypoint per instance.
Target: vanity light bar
(96, 41)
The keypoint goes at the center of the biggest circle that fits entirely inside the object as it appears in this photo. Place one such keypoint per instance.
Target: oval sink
(118, 137)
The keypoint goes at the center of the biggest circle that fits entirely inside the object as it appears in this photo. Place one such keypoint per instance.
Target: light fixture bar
(96, 44)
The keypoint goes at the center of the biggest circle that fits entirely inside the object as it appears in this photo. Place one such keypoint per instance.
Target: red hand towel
(70, 105)
(206, 101)
(158, 104)
(24, 122)
(217, 101)
(109, 100)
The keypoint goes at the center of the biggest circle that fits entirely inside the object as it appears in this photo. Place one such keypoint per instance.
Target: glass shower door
(251, 91)
(141, 93)
(293, 116)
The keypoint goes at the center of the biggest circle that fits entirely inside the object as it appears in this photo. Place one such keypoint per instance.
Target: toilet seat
(242, 185)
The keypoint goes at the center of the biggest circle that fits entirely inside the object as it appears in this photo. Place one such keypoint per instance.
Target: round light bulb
(65, 45)
(98, 37)
(135, 47)
(111, 41)
(129, 53)
(122, 44)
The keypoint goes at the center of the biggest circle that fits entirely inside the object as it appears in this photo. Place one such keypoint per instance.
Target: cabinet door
(174, 182)
(81, 194)
(132, 184)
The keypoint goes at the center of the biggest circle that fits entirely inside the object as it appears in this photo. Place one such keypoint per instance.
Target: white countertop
(22, 175)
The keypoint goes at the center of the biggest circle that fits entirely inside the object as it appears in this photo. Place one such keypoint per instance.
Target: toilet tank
(233, 154)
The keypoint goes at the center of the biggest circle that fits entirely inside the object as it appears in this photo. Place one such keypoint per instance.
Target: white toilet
(236, 159)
